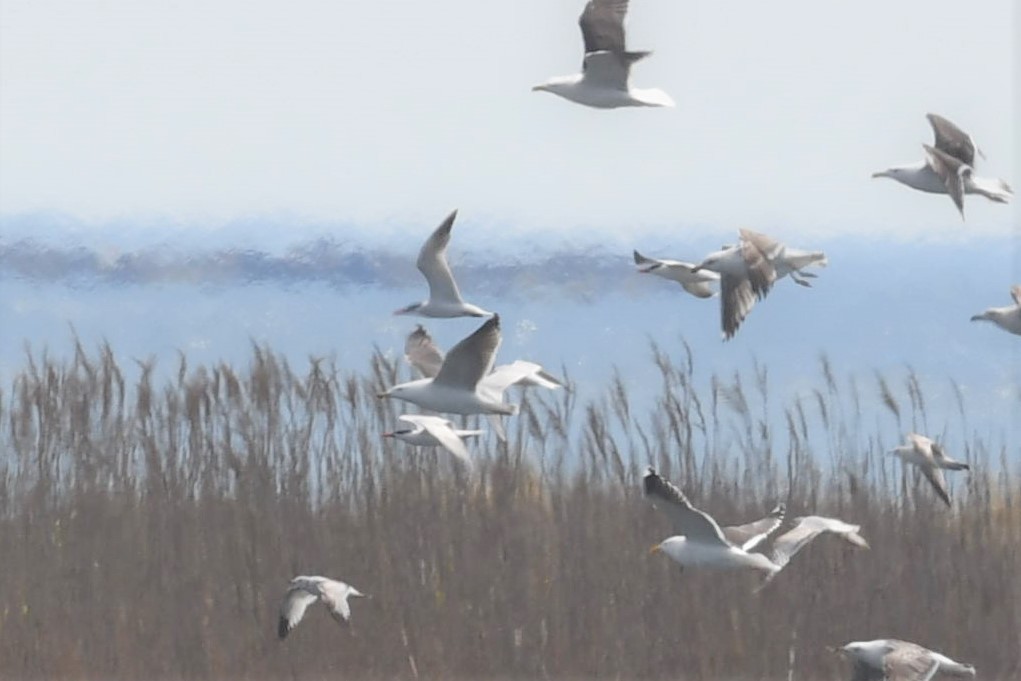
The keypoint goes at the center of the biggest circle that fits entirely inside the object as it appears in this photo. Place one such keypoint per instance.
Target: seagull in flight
(699, 284)
(427, 358)
(887, 659)
(456, 387)
(435, 431)
(1007, 318)
(931, 459)
(701, 542)
(948, 167)
(444, 297)
(749, 269)
(305, 590)
(606, 68)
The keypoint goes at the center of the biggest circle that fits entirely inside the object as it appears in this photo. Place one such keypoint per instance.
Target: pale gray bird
(888, 659)
(948, 168)
(305, 590)
(604, 81)
(427, 358)
(435, 431)
(444, 296)
(1007, 318)
(931, 459)
(699, 284)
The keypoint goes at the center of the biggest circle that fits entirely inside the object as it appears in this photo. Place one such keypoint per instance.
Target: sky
(386, 114)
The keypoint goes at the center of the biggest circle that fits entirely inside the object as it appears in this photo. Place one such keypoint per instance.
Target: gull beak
(655, 549)
(696, 268)
(977, 318)
(388, 434)
(538, 88)
(382, 395)
(881, 173)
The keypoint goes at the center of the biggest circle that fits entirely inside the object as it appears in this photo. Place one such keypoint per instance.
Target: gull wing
(443, 431)
(736, 301)
(807, 528)
(432, 262)
(951, 172)
(293, 607)
(472, 358)
(606, 69)
(938, 481)
(422, 353)
(909, 662)
(687, 520)
(1015, 293)
(602, 26)
(952, 140)
(758, 252)
(334, 595)
(749, 536)
(646, 264)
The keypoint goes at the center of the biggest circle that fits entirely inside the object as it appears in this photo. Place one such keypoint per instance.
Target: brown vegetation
(148, 531)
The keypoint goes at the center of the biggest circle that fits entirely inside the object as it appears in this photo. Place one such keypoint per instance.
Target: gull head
(355, 593)
(983, 317)
(558, 85)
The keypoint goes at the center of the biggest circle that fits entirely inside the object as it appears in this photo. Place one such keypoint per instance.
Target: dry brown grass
(147, 530)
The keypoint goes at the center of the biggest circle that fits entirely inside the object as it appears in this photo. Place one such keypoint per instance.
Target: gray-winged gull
(606, 68)
(888, 659)
(948, 168)
(749, 269)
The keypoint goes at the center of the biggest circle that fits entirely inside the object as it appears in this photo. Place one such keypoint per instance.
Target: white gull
(930, 457)
(305, 590)
(606, 68)
(456, 389)
(435, 431)
(444, 297)
(1007, 318)
(699, 284)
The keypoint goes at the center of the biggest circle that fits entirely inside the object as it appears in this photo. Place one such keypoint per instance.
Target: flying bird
(435, 431)
(305, 590)
(701, 542)
(699, 284)
(1007, 318)
(444, 297)
(888, 659)
(456, 387)
(931, 459)
(948, 167)
(606, 67)
(422, 353)
(748, 271)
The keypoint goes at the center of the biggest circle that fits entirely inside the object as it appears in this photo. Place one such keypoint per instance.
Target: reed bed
(148, 528)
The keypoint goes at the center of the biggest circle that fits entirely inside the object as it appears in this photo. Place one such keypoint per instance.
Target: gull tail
(992, 188)
(652, 97)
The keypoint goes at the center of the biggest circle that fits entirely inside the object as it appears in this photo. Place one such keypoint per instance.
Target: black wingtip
(651, 481)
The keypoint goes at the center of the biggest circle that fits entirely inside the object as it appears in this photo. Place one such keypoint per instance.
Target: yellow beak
(655, 549)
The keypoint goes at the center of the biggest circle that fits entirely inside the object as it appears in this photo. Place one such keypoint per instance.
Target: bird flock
(465, 382)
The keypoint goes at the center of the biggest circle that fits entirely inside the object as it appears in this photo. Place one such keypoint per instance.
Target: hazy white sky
(388, 111)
